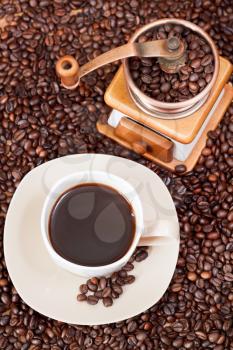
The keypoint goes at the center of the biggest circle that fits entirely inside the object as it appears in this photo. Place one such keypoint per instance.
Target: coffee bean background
(40, 121)
(193, 76)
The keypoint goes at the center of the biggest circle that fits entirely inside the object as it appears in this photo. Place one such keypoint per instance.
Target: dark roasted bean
(180, 168)
(107, 301)
(102, 283)
(83, 288)
(141, 256)
(106, 292)
(81, 297)
(165, 87)
(91, 286)
(92, 300)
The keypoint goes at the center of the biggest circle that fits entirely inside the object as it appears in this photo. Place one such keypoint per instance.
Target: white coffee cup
(127, 191)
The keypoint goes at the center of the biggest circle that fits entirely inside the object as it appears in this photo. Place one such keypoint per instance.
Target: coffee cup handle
(165, 232)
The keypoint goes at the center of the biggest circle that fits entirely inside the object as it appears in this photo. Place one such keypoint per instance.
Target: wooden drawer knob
(140, 147)
(143, 140)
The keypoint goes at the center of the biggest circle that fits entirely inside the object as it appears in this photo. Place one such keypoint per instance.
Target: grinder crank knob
(67, 69)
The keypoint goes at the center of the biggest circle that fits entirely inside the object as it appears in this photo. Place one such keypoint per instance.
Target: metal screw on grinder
(173, 43)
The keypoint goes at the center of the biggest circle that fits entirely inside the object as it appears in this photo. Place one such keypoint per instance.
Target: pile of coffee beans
(109, 288)
(191, 78)
(40, 121)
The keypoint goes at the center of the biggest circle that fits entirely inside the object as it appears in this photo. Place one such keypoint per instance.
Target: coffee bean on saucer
(117, 289)
(114, 277)
(141, 256)
(81, 297)
(92, 300)
(106, 292)
(91, 286)
(102, 283)
(94, 280)
(107, 301)
(128, 267)
(130, 279)
(99, 294)
(83, 288)
(120, 281)
(114, 295)
(122, 273)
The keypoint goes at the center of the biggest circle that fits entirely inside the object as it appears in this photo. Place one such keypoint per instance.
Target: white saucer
(51, 290)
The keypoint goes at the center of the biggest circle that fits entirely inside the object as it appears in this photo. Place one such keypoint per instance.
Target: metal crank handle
(70, 72)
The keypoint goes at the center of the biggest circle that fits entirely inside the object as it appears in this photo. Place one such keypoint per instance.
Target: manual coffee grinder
(169, 134)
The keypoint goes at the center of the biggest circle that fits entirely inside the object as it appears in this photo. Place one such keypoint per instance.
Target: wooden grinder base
(182, 130)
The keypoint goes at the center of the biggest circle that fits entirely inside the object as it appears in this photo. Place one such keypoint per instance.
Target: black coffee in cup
(91, 225)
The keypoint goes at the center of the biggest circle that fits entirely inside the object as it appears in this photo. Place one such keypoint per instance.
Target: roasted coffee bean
(5, 298)
(141, 336)
(129, 266)
(122, 273)
(141, 256)
(206, 274)
(81, 297)
(194, 77)
(83, 288)
(206, 60)
(165, 87)
(95, 281)
(92, 300)
(106, 292)
(193, 87)
(102, 283)
(146, 78)
(132, 326)
(91, 286)
(107, 301)
(129, 279)
(99, 294)
(3, 282)
(179, 169)
(4, 320)
(118, 289)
